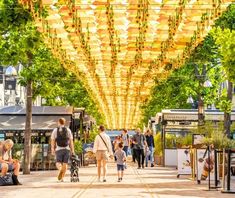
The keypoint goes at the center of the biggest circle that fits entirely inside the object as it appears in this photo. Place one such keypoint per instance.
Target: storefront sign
(2, 136)
(180, 117)
(9, 134)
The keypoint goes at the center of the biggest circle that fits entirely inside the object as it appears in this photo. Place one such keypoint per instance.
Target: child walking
(121, 159)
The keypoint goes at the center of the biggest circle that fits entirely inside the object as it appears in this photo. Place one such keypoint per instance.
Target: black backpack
(62, 138)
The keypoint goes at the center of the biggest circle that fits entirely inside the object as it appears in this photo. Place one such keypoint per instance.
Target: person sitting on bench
(6, 161)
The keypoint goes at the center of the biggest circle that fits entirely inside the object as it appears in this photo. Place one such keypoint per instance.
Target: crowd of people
(141, 146)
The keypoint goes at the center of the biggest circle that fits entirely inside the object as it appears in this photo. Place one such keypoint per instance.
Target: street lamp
(11, 71)
(203, 82)
(190, 100)
(9, 84)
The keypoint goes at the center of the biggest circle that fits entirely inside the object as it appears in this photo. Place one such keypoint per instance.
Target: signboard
(205, 165)
(2, 136)
(171, 157)
(180, 117)
(184, 162)
(9, 134)
(89, 156)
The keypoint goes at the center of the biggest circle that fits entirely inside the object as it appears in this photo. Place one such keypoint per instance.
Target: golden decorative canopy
(118, 47)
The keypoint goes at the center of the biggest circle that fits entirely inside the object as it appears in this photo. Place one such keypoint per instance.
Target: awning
(44, 117)
(36, 110)
(9, 122)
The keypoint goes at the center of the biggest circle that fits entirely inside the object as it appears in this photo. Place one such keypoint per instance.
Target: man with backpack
(62, 146)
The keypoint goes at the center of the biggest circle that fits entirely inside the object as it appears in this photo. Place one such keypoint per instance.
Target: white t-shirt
(99, 144)
(54, 136)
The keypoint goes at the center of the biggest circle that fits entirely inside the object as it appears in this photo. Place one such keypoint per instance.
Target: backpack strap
(64, 129)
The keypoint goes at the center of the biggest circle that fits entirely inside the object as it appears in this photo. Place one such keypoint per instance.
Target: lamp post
(9, 84)
(203, 82)
(190, 100)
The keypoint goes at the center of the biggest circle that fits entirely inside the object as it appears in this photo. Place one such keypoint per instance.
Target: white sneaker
(98, 180)
(60, 181)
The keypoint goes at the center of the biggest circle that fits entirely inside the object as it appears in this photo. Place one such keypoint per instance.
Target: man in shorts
(61, 147)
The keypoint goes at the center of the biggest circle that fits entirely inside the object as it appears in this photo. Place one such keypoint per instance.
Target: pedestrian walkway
(157, 182)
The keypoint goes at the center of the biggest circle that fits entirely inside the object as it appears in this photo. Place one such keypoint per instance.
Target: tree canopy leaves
(212, 59)
(21, 43)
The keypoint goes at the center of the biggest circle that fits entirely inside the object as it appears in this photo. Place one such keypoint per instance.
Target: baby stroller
(75, 164)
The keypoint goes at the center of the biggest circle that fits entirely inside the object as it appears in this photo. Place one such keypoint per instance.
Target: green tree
(56, 85)
(19, 41)
(174, 91)
(217, 47)
(224, 34)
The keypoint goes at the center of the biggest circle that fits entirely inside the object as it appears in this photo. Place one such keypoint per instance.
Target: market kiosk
(180, 122)
(44, 120)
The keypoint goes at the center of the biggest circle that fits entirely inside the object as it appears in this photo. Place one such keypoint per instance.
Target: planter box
(158, 160)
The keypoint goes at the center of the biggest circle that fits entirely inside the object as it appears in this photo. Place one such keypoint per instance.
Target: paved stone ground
(154, 182)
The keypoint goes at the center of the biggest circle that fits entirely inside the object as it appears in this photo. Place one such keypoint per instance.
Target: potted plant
(18, 151)
(78, 147)
(158, 158)
(219, 140)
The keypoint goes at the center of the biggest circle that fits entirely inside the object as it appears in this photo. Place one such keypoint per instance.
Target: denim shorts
(10, 167)
(62, 156)
(120, 167)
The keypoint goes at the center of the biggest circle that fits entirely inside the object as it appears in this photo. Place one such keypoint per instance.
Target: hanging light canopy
(118, 47)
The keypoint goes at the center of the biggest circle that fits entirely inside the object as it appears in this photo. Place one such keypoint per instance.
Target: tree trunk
(27, 134)
(201, 116)
(227, 115)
